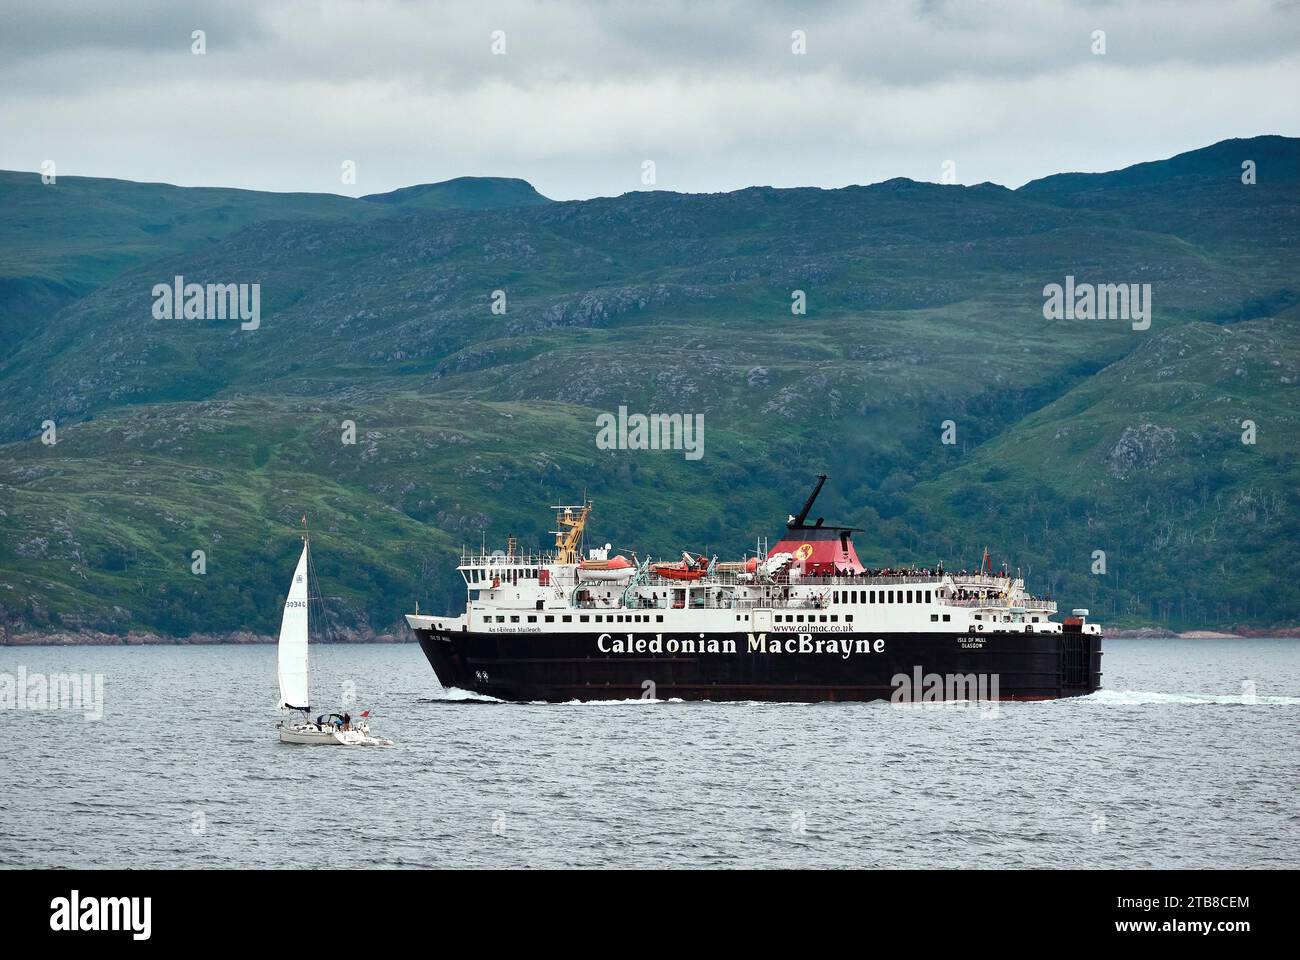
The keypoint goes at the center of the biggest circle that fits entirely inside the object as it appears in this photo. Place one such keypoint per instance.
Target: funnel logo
(804, 552)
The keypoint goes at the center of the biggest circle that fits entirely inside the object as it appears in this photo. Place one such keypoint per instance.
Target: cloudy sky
(586, 92)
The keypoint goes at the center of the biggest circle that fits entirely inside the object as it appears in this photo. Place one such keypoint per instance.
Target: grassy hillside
(924, 306)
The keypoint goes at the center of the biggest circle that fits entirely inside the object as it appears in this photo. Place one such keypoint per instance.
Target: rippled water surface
(1179, 762)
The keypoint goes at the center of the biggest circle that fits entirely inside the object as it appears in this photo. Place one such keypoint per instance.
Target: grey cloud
(709, 91)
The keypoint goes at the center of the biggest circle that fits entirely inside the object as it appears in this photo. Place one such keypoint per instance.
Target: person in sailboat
(347, 720)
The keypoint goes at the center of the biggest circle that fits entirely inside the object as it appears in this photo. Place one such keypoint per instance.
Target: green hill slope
(924, 305)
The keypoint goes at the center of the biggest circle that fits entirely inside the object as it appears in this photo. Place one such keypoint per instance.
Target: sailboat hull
(311, 736)
(308, 736)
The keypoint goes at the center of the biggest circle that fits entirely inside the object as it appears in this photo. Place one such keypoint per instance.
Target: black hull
(560, 667)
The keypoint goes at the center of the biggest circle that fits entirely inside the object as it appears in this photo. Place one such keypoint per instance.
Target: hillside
(924, 305)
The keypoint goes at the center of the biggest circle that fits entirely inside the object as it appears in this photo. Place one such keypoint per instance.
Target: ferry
(804, 621)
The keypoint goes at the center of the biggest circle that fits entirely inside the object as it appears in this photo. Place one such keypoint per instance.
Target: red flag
(365, 713)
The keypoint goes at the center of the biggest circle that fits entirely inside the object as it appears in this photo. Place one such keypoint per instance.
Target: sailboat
(294, 673)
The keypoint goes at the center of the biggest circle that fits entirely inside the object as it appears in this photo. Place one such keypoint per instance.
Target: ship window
(550, 619)
(891, 596)
(501, 619)
(659, 618)
(514, 619)
(909, 596)
(872, 595)
(532, 619)
(978, 617)
(567, 619)
(835, 618)
(583, 619)
(934, 618)
(1034, 620)
(848, 618)
(946, 617)
(800, 618)
(927, 596)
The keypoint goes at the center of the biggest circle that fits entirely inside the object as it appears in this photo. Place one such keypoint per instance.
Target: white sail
(293, 640)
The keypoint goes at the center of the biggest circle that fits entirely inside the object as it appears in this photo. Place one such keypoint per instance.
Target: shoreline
(143, 638)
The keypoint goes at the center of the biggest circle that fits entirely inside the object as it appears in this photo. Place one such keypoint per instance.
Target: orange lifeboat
(616, 569)
(688, 568)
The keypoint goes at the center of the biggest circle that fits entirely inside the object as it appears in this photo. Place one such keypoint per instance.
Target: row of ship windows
(834, 618)
(511, 575)
(586, 618)
(885, 596)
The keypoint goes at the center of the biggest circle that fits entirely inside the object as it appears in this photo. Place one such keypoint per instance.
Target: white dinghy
(295, 685)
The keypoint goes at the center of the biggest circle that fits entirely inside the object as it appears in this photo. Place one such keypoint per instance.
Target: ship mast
(796, 523)
(568, 538)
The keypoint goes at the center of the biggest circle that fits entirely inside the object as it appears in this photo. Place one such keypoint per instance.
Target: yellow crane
(568, 538)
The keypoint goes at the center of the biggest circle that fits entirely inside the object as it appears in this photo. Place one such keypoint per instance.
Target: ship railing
(739, 580)
(712, 603)
(984, 580)
(1000, 602)
(504, 560)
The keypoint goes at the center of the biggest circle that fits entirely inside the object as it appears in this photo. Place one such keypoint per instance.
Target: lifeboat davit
(617, 569)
